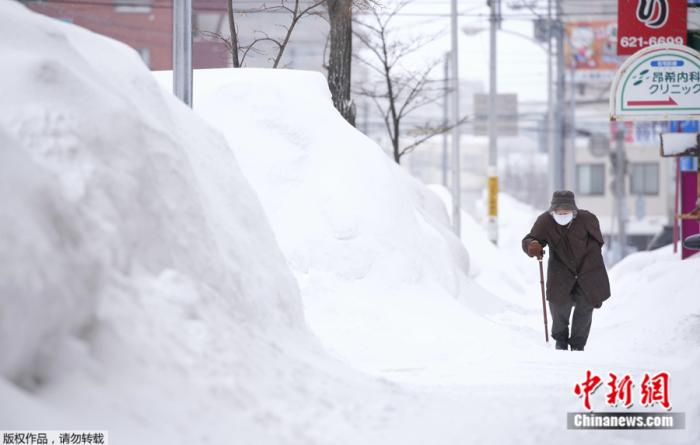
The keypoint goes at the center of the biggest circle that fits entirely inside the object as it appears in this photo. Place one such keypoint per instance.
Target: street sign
(643, 23)
(660, 82)
(506, 114)
(541, 29)
(599, 144)
(678, 144)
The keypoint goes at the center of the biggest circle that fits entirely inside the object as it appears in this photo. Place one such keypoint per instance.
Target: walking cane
(544, 307)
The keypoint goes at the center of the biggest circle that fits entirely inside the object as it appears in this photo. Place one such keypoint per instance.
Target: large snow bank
(38, 304)
(100, 170)
(337, 204)
(141, 288)
(503, 268)
(371, 246)
(335, 199)
(652, 320)
(658, 291)
(142, 291)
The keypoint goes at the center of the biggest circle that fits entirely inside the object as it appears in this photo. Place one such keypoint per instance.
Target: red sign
(642, 23)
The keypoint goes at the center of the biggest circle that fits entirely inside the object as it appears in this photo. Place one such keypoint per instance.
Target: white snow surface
(336, 203)
(144, 292)
(371, 247)
(141, 289)
(330, 196)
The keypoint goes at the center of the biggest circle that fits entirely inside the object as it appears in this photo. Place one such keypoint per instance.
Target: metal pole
(676, 209)
(456, 191)
(620, 192)
(559, 117)
(492, 171)
(445, 118)
(182, 50)
(550, 101)
(572, 161)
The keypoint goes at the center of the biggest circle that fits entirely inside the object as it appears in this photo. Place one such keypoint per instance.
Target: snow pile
(371, 247)
(142, 290)
(652, 322)
(312, 173)
(38, 303)
(141, 287)
(657, 291)
(111, 176)
(503, 269)
(337, 204)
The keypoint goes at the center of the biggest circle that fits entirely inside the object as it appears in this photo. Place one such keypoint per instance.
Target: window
(644, 178)
(134, 6)
(590, 179)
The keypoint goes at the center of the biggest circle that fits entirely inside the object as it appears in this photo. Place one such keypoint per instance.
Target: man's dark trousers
(581, 322)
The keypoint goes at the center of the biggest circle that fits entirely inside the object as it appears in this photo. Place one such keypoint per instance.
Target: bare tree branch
(239, 51)
(430, 132)
(400, 91)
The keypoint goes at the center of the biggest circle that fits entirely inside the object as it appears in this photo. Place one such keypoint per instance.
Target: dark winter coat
(574, 255)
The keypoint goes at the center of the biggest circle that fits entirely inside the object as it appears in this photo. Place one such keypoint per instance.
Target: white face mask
(563, 219)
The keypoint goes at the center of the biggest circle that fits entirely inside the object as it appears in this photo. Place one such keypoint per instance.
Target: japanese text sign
(660, 82)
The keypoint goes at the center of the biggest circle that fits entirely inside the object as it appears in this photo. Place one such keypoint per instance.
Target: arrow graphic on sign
(648, 103)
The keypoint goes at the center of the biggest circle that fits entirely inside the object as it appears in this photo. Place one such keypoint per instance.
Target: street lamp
(492, 171)
(456, 170)
(493, 136)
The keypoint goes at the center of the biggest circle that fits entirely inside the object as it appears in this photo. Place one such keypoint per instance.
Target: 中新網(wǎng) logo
(653, 13)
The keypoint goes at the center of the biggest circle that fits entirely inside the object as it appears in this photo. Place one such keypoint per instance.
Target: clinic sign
(642, 23)
(660, 82)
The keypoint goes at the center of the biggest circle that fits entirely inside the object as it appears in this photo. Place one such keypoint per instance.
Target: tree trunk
(340, 57)
(395, 139)
(234, 36)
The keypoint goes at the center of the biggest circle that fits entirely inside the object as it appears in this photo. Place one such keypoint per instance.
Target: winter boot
(562, 344)
(576, 348)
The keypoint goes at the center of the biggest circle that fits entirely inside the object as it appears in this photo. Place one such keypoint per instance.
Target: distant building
(146, 26)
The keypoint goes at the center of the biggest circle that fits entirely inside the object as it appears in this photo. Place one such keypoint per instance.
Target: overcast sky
(522, 65)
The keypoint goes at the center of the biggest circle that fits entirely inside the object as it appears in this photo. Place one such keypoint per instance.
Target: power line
(222, 8)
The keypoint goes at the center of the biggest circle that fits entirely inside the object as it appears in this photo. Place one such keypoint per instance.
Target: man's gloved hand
(535, 249)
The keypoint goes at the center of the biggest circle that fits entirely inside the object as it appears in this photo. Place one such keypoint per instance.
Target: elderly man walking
(576, 275)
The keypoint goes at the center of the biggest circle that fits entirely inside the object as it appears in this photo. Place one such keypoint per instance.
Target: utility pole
(492, 171)
(620, 201)
(550, 102)
(445, 118)
(456, 190)
(559, 127)
(182, 50)
(572, 160)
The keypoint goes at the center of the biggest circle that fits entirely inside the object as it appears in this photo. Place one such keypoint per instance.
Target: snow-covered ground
(279, 280)
(481, 340)
(141, 288)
